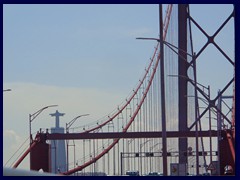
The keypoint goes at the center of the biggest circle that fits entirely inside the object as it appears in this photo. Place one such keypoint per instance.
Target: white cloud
(30, 97)
(11, 142)
(27, 98)
(11, 137)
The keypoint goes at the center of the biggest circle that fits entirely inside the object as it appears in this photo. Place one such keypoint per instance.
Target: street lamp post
(152, 150)
(31, 118)
(197, 116)
(68, 125)
(141, 145)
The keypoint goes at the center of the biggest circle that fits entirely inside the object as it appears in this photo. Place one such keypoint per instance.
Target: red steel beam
(25, 154)
(231, 146)
(115, 135)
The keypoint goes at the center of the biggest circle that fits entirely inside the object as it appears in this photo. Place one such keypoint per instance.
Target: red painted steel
(231, 146)
(227, 152)
(118, 135)
(25, 154)
(39, 157)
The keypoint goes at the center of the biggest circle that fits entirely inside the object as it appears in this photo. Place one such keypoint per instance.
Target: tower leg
(182, 82)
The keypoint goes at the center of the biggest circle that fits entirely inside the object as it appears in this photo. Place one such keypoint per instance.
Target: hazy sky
(85, 58)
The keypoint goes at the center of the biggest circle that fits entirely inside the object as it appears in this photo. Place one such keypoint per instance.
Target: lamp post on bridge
(141, 146)
(151, 150)
(207, 102)
(197, 114)
(31, 118)
(68, 125)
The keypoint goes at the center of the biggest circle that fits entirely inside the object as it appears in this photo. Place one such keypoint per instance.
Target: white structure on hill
(58, 148)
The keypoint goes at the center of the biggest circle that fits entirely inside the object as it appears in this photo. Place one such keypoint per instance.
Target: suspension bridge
(161, 125)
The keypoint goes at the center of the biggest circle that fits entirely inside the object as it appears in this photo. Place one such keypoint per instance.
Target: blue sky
(85, 58)
(69, 45)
